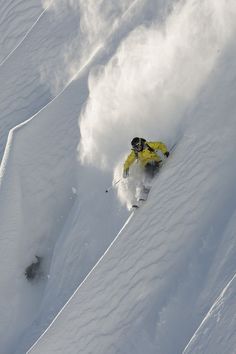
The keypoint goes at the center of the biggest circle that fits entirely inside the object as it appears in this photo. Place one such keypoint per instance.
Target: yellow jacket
(146, 155)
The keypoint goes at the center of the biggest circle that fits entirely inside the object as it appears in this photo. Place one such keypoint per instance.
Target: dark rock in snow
(33, 270)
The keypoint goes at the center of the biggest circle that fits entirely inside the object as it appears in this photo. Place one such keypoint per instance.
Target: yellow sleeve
(130, 159)
(158, 145)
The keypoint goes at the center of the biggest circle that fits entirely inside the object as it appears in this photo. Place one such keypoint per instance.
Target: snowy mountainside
(167, 266)
(46, 61)
(187, 222)
(16, 19)
(153, 275)
(90, 76)
(27, 184)
(37, 195)
(218, 326)
(37, 192)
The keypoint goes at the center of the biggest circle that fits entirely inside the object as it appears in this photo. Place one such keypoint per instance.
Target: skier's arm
(128, 162)
(158, 145)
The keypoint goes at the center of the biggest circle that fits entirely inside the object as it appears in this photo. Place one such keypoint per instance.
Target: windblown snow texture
(79, 80)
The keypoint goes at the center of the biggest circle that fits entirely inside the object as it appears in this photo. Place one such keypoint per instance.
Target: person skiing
(145, 152)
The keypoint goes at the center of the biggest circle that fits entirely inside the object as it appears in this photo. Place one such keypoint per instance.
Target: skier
(146, 153)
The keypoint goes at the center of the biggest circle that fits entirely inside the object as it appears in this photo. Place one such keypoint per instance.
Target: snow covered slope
(153, 276)
(216, 333)
(38, 190)
(16, 19)
(39, 173)
(174, 257)
(165, 282)
(57, 47)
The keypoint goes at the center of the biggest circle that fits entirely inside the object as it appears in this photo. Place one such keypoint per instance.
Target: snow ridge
(16, 21)
(219, 322)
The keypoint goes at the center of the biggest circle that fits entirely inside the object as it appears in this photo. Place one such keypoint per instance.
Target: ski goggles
(138, 146)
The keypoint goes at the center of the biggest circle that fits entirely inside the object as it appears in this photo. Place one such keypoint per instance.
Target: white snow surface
(16, 20)
(80, 79)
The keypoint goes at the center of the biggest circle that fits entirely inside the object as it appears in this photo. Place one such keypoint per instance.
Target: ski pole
(173, 147)
(107, 190)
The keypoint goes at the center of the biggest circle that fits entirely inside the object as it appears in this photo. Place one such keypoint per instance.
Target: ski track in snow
(27, 82)
(162, 258)
(217, 330)
(16, 20)
(120, 292)
(26, 183)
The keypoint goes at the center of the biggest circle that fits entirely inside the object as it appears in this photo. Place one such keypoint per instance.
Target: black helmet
(138, 143)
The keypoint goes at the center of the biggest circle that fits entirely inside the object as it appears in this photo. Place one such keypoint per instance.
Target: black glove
(167, 154)
(126, 173)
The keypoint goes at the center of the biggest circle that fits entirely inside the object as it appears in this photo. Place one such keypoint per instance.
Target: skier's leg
(139, 190)
(150, 171)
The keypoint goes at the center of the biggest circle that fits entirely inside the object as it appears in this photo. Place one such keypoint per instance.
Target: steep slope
(35, 201)
(167, 264)
(216, 333)
(57, 47)
(158, 273)
(16, 19)
(39, 177)
(26, 90)
(151, 278)
(38, 189)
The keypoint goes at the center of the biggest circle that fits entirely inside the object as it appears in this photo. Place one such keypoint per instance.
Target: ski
(135, 206)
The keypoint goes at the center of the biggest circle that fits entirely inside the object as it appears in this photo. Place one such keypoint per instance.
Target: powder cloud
(89, 23)
(146, 87)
